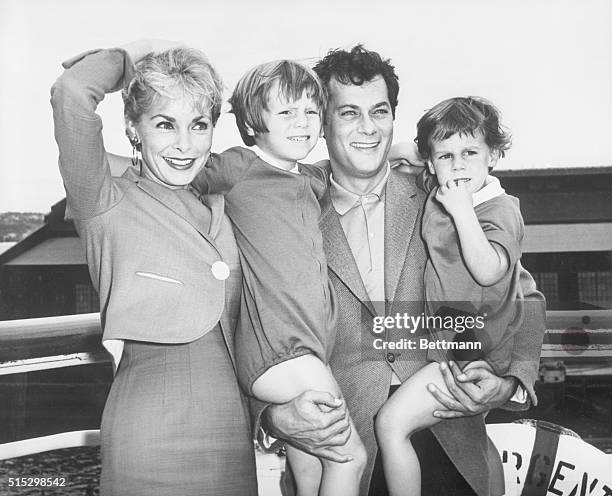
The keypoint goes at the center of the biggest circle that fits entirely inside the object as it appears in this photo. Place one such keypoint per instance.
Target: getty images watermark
(411, 324)
(455, 330)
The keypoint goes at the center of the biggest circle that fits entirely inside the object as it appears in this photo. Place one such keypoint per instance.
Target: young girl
(286, 329)
(473, 232)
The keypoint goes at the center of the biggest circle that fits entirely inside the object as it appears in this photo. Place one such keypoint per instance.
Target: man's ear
(430, 167)
(249, 130)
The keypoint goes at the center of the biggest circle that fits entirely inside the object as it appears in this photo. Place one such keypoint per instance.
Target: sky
(547, 64)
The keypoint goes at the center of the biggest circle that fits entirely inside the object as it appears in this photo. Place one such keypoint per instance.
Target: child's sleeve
(319, 173)
(222, 171)
(502, 223)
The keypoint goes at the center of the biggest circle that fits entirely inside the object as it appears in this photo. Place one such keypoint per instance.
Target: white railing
(46, 343)
(50, 342)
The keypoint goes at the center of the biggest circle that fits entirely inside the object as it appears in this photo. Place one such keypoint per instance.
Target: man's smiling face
(358, 131)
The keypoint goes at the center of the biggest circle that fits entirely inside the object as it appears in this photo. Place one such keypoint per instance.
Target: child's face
(462, 158)
(293, 127)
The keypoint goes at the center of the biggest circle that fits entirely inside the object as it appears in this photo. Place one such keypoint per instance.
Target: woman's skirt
(175, 423)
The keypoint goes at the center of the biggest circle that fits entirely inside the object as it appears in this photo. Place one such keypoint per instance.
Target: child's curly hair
(462, 115)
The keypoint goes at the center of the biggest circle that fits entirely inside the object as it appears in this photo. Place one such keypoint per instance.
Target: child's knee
(360, 457)
(385, 424)
(392, 426)
(358, 463)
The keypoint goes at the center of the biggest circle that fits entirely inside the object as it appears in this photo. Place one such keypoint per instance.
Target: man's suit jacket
(365, 382)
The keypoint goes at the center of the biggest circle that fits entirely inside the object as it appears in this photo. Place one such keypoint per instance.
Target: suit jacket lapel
(340, 258)
(170, 200)
(401, 213)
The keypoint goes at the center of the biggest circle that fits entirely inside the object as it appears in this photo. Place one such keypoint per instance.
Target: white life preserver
(540, 460)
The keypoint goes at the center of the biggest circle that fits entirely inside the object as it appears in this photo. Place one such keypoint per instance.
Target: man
(371, 230)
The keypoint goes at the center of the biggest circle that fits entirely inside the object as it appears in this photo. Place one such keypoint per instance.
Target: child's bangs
(442, 132)
(295, 81)
(458, 120)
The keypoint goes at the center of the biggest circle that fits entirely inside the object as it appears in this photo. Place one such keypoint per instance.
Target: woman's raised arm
(78, 129)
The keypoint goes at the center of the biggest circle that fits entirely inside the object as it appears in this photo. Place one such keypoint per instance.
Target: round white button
(220, 270)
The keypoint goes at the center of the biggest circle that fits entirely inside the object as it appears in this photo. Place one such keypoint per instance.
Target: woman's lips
(179, 163)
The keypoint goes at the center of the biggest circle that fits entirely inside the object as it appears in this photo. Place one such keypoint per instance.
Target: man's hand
(475, 390)
(405, 157)
(313, 422)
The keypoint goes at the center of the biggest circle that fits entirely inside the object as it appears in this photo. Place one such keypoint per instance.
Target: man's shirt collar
(343, 199)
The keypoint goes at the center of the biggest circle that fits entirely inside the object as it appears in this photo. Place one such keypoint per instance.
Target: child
(473, 232)
(286, 333)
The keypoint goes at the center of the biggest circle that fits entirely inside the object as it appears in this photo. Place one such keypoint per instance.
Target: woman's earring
(134, 156)
(135, 149)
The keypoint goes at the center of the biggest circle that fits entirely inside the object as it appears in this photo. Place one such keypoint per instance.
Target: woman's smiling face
(176, 138)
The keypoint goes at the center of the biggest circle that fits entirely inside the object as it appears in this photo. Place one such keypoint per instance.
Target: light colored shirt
(363, 221)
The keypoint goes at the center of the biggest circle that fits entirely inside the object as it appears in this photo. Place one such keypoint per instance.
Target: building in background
(568, 233)
(45, 274)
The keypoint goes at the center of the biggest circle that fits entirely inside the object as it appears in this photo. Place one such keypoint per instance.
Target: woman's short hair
(462, 115)
(160, 75)
(251, 95)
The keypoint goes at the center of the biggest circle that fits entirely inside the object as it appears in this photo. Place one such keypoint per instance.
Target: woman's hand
(140, 48)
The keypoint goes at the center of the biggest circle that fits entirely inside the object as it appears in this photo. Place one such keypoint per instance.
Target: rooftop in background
(5, 245)
(554, 170)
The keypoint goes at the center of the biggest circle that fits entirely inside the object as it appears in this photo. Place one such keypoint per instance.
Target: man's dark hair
(356, 67)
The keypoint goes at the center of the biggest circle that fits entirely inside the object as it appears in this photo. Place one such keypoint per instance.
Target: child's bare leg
(306, 470)
(407, 411)
(344, 478)
(282, 383)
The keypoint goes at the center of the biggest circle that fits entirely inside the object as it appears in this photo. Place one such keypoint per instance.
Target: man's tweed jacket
(365, 381)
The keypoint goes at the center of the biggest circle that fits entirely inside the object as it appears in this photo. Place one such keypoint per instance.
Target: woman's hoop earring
(136, 147)
(135, 158)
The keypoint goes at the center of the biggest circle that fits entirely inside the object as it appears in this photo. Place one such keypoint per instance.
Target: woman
(165, 266)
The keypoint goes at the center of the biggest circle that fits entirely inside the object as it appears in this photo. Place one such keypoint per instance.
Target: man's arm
(406, 158)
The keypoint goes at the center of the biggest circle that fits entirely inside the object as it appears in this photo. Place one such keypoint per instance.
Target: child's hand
(455, 197)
